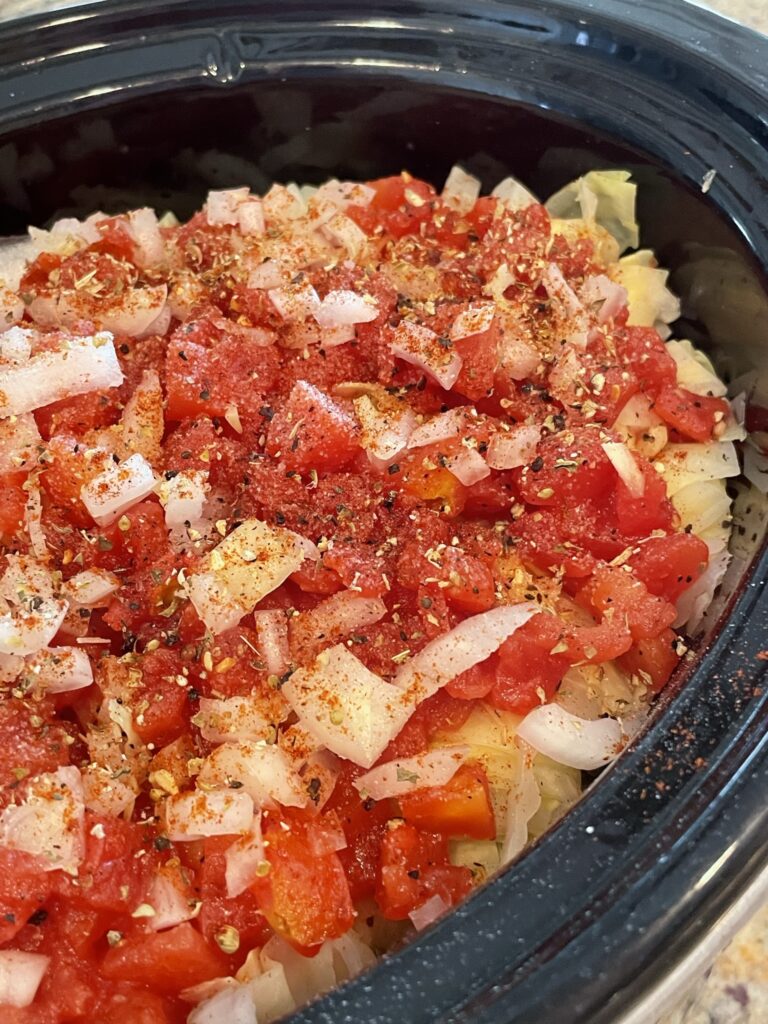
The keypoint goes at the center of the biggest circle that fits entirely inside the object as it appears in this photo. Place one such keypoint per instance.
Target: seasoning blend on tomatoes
(342, 529)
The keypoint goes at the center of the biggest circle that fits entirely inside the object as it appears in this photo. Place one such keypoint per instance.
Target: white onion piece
(104, 794)
(524, 801)
(343, 232)
(61, 669)
(208, 989)
(384, 433)
(295, 302)
(514, 448)
(221, 812)
(468, 466)
(91, 587)
(248, 564)
(183, 498)
(231, 719)
(33, 518)
(10, 667)
(442, 427)
(346, 707)
(171, 899)
(24, 578)
(513, 194)
(623, 461)
(407, 774)
(428, 912)
(19, 438)
(118, 488)
(11, 304)
(461, 190)
(343, 308)
(330, 620)
(306, 976)
(283, 204)
(351, 955)
(467, 644)
(572, 741)
(604, 295)
(16, 345)
(20, 976)
(517, 357)
(49, 823)
(346, 193)
(233, 1005)
(145, 231)
(244, 858)
(683, 464)
(421, 347)
(222, 205)
(309, 548)
(272, 634)
(250, 217)
(567, 304)
(329, 839)
(132, 314)
(28, 631)
(477, 319)
(80, 366)
(265, 771)
(266, 275)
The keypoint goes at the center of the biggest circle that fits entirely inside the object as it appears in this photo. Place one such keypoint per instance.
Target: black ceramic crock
(126, 102)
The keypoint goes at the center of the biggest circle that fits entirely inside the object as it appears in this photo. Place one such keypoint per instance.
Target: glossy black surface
(126, 102)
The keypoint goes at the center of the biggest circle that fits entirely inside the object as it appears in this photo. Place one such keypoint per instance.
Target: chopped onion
(244, 858)
(513, 194)
(343, 232)
(11, 304)
(20, 976)
(524, 801)
(407, 774)
(19, 438)
(145, 230)
(329, 838)
(80, 366)
(27, 631)
(295, 302)
(118, 488)
(104, 794)
(183, 498)
(517, 356)
(513, 449)
(220, 812)
(49, 823)
(468, 466)
(33, 518)
(428, 912)
(570, 309)
(477, 319)
(61, 669)
(306, 976)
(421, 347)
(265, 771)
(604, 295)
(461, 190)
(346, 193)
(266, 275)
(272, 633)
(343, 308)
(24, 578)
(384, 433)
(248, 564)
(623, 461)
(132, 314)
(572, 741)
(330, 620)
(16, 345)
(221, 207)
(283, 205)
(250, 217)
(442, 427)
(91, 588)
(346, 707)
(683, 464)
(467, 644)
(171, 898)
(232, 719)
(233, 1005)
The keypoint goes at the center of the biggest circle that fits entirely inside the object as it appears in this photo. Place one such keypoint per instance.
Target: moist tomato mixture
(304, 503)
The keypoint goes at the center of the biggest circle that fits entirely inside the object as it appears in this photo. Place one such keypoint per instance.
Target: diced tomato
(160, 700)
(655, 659)
(616, 594)
(669, 565)
(422, 475)
(311, 431)
(304, 897)
(168, 961)
(461, 807)
(475, 683)
(364, 823)
(567, 470)
(479, 354)
(643, 352)
(439, 713)
(415, 867)
(24, 889)
(652, 510)
(217, 910)
(694, 416)
(528, 673)
(13, 500)
(33, 742)
(114, 873)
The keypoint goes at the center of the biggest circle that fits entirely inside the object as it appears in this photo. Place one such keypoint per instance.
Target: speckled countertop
(735, 990)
